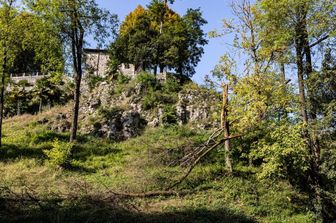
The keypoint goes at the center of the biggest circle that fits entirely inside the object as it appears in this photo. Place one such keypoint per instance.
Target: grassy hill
(92, 187)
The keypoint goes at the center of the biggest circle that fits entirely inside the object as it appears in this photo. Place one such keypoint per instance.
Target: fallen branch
(204, 153)
(199, 150)
(165, 193)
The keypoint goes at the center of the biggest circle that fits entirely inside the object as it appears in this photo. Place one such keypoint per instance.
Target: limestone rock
(195, 105)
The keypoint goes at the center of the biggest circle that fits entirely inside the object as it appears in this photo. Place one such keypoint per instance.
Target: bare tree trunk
(312, 111)
(74, 127)
(2, 93)
(283, 72)
(155, 69)
(77, 49)
(225, 126)
(40, 105)
(161, 68)
(18, 112)
(300, 71)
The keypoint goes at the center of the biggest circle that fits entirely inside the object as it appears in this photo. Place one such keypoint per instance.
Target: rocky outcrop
(108, 112)
(118, 125)
(60, 123)
(197, 106)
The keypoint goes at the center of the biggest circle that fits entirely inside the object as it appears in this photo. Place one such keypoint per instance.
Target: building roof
(87, 50)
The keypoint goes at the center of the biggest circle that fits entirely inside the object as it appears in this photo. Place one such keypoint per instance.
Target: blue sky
(213, 11)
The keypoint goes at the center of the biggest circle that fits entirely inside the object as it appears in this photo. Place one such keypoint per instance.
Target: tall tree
(75, 20)
(157, 37)
(299, 26)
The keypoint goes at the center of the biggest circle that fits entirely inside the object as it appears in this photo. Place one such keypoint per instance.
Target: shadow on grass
(99, 211)
(79, 169)
(13, 151)
(50, 136)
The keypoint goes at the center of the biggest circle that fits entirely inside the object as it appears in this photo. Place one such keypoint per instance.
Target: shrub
(148, 80)
(60, 153)
(154, 98)
(169, 116)
(122, 79)
(93, 81)
(171, 85)
(283, 153)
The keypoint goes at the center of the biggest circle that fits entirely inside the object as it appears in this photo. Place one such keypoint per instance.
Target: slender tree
(75, 20)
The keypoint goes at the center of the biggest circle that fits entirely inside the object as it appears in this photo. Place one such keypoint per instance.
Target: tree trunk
(225, 126)
(315, 147)
(312, 111)
(78, 79)
(161, 69)
(283, 72)
(303, 49)
(40, 105)
(77, 52)
(300, 72)
(2, 93)
(18, 112)
(155, 69)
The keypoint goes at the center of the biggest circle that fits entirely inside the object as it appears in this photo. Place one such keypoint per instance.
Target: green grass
(82, 192)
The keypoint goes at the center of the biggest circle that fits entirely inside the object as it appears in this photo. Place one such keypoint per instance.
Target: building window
(127, 66)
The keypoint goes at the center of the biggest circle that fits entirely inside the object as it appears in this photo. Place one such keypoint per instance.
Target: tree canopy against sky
(271, 37)
(159, 38)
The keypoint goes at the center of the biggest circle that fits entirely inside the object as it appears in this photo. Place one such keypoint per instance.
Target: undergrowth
(78, 191)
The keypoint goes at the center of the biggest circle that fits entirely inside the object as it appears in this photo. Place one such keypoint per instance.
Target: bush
(284, 154)
(154, 98)
(93, 81)
(122, 79)
(169, 116)
(148, 80)
(60, 153)
(171, 85)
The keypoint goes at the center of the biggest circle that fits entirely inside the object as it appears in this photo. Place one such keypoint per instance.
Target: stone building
(96, 62)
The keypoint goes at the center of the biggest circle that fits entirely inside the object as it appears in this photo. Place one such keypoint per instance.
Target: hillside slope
(88, 189)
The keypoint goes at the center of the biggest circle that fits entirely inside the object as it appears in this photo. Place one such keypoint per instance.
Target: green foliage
(60, 153)
(171, 85)
(47, 136)
(153, 99)
(154, 95)
(158, 38)
(122, 79)
(283, 152)
(93, 81)
(23, 98)
(108, 112)
(148, 80)
(137, 165)
(169, 116)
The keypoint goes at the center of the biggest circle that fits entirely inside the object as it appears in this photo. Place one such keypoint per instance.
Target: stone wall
(128, 70)
(31, 78)
(96, 62)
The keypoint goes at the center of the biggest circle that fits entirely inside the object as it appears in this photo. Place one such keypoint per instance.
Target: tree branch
(319, 41)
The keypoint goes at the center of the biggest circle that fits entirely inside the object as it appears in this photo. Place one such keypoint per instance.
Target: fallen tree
(195, 156)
